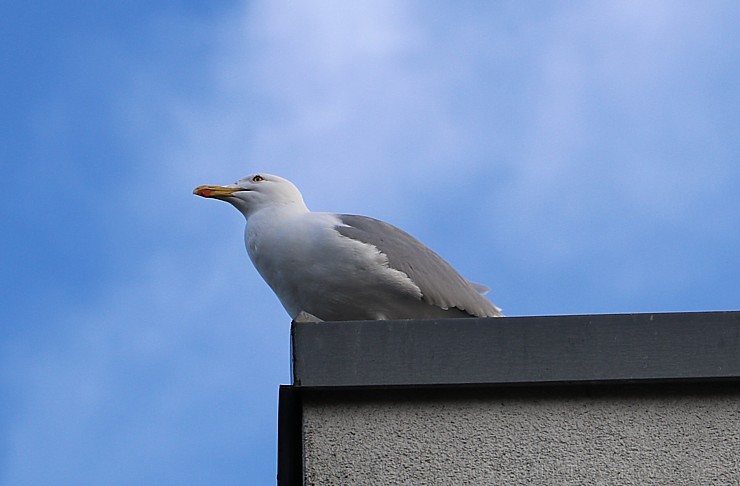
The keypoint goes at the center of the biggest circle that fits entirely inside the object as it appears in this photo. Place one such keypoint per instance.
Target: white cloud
(350, 101)
(607, 105)
(370, 110)
(553, 137)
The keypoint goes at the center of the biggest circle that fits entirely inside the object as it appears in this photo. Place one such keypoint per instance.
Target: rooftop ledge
(518, 350)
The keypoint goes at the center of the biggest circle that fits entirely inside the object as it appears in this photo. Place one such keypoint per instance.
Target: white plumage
(343, 267)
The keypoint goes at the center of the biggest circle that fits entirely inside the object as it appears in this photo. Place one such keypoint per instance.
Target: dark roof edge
(686, 346)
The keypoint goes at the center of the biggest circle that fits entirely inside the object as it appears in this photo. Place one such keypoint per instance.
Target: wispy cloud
(562, 156)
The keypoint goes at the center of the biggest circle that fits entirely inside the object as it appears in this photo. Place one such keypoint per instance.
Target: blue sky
(576, 157)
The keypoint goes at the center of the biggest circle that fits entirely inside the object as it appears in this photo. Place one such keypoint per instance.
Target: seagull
(342, 267)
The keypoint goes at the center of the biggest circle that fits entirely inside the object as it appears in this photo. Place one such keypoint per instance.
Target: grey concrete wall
(524, 440)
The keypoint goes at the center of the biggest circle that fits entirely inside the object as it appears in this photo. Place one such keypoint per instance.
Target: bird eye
(258, 178)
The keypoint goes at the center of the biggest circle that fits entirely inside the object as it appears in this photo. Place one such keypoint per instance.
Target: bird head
(256, 192)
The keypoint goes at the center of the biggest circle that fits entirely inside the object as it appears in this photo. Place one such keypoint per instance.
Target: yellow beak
(215, 191)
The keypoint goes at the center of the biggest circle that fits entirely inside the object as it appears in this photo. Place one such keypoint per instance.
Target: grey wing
(440, 283)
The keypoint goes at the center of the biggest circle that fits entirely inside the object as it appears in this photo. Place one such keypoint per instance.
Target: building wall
(523, 438)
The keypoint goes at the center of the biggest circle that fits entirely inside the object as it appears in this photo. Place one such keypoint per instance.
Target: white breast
(312, 268)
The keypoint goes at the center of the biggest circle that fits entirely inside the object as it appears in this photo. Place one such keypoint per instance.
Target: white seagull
(341, 267)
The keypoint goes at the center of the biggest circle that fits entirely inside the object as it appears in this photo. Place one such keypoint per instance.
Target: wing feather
(441, 285)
